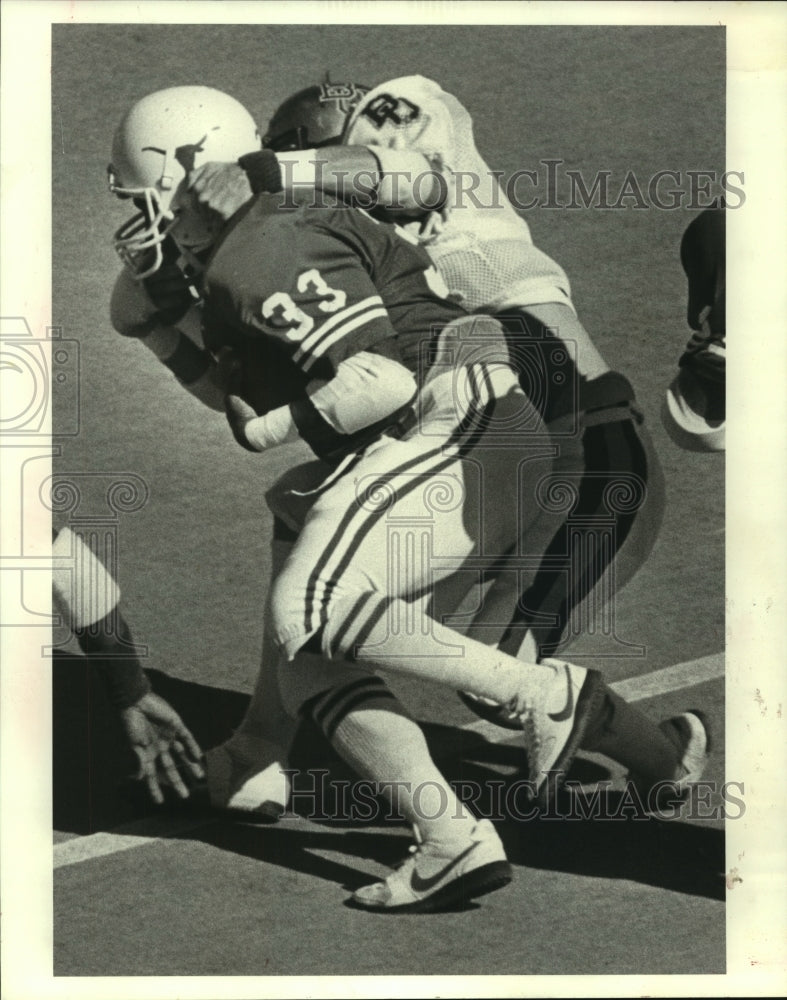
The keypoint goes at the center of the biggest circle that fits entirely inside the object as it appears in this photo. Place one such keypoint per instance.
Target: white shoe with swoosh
(552, 738)
(438, 875)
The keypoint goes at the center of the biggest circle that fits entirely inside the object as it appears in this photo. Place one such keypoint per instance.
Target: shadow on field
(593, 833)
(91, 762)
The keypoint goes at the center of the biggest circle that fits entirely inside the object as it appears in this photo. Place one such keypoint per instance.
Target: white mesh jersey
(482, 248)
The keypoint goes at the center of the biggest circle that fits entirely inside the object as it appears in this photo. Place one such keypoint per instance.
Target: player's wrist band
(263, 171)
(323, 439)
(109, 646)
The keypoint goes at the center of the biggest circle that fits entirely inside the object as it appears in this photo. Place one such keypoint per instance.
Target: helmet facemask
(143, 232)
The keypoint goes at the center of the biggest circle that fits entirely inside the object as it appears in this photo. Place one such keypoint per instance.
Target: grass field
(222, 899)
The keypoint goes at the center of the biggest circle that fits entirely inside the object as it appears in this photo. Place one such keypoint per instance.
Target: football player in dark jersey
(606, 464)
(312, 291)
(408, 144)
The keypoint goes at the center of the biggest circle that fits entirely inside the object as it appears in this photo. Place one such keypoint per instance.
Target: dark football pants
(617, 506)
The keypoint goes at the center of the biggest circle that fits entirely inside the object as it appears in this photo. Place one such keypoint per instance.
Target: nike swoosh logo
(566, 712)
(419, 884)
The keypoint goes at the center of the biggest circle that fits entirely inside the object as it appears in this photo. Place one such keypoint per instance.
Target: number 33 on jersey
(323, 284)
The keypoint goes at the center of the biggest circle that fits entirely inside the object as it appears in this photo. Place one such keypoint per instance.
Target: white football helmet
(158, 142)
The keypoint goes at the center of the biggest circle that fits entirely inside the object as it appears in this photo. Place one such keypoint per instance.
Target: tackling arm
(402, 182)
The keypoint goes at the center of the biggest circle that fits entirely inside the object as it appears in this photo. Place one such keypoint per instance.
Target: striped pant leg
(405, 517)
(350, 550)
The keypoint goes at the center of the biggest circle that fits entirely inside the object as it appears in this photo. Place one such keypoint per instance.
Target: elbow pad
(369, 395)
(367, 388)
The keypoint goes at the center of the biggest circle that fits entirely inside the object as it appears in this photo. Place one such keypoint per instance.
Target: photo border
(756, 550)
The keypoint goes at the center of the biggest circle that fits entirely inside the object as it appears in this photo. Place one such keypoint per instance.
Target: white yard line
(682, 675)
(124, 838)
(150, 830)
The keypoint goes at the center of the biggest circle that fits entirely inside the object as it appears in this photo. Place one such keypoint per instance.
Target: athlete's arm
(367, 391)
(133, 314)
(401, 181)
(87, 597)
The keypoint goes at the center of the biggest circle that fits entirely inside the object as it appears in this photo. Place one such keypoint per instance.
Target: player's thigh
(395, 524)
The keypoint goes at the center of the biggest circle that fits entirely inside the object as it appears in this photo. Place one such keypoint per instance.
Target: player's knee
(351, 621)
(288, 607)
(330, 615)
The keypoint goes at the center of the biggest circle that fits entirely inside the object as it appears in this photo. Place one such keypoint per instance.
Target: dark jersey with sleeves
(300, 289)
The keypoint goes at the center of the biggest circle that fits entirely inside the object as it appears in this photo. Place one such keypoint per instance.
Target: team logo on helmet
(343, 95)
(187, 154)
(313, 117)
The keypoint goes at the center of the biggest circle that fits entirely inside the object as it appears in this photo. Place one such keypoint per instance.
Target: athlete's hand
(165, 748)
(131, 312)
(239, 415)
(222, 188)
(168, 288)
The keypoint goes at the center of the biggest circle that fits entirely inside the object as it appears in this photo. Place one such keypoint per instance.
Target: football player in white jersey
(409, 153)
(337, 640)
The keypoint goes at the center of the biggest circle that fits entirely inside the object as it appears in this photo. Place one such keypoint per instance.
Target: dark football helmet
(313, 117)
